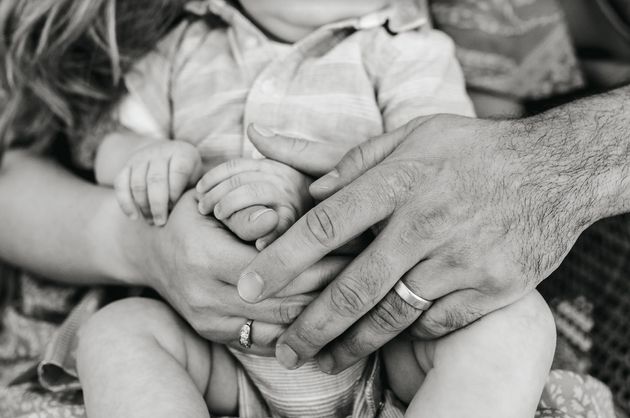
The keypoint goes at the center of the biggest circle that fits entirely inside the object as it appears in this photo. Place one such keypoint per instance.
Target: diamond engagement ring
(245, 339)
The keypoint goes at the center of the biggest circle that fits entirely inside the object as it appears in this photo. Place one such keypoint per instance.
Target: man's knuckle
(355, 347)
(348, 297)
(391, 315)
(322, 225)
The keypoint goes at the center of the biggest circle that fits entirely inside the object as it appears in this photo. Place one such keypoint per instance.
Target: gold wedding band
(411, 298)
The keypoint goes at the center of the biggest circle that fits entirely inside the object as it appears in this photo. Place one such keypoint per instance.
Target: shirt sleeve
(419, 76)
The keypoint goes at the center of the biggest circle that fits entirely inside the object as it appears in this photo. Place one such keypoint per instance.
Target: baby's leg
(137, 358)
(496, 367)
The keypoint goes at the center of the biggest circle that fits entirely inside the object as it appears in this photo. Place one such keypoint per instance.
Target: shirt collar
(401, 16)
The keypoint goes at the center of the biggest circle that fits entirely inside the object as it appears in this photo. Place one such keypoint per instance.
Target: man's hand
(193, 262)
(474, 214)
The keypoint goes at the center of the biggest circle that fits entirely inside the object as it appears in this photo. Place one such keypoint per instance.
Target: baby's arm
(243, 183)
(495, 367)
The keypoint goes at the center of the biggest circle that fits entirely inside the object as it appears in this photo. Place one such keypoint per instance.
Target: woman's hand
(193, 262)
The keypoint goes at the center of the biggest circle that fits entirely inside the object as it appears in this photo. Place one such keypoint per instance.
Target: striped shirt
(348, 81)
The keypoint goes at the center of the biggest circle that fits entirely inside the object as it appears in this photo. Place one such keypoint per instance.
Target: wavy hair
(62, 60)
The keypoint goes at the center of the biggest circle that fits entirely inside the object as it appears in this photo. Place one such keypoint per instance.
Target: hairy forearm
(575, 165)
(61, 227)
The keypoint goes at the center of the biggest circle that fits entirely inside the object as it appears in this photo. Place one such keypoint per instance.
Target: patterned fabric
(520, 62)
(516, 48)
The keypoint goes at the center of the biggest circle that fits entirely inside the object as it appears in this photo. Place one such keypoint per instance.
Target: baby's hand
(156, 175)
(239, 184)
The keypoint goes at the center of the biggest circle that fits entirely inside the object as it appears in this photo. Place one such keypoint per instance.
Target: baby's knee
(123, 323)
(534, 320)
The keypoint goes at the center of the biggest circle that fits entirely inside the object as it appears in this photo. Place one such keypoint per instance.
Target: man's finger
(324, 228)
(350, 296)
(310, 157)
(360, 159)
(387, 319)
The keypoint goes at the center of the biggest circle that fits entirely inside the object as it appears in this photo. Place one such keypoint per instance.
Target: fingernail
(327, 181)
(262, 131)
(261, 244)
(286, 356)
(217, 212)
(250, 286)
(259, 213)
(201, 208)
(326, 363)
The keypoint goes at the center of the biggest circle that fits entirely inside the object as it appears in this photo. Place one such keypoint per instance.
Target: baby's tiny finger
(246, 196)
(138, 186)
(208, 200)
(224, 171)
(123, 194)
(157, 191)
(180, 172)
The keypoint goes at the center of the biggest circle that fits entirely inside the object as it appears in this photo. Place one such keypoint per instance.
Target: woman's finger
(316, 277)
(360, 159)
(139, 189)
(208, 200)
(157, 190)
(310, 157)
(248, 195)
(122, 187)
(263, 336)
(226, 170)
(274, 310)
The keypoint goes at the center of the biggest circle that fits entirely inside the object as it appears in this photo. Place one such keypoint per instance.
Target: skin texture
(193, 262)
(473, 214)
(292, 20)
